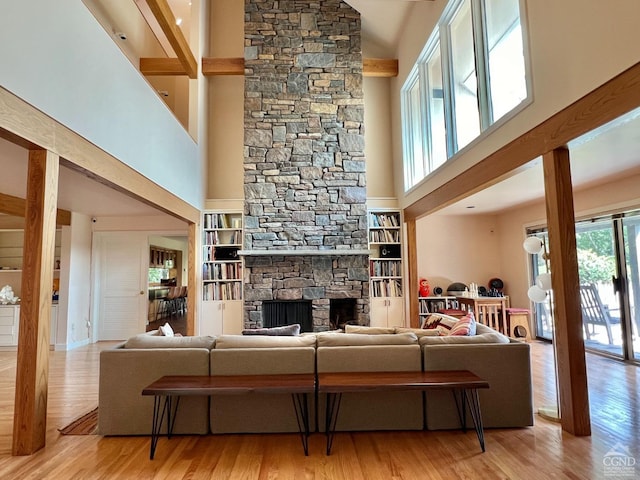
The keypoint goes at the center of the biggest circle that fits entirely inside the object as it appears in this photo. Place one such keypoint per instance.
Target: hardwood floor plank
(522, 453)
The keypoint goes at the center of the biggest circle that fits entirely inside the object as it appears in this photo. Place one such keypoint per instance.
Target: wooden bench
(458, 381)
(173, 387)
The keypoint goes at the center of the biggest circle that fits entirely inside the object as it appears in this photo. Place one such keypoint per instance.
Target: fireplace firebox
(278, 313)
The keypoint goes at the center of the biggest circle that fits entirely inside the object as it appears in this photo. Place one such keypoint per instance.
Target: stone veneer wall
(304, 164)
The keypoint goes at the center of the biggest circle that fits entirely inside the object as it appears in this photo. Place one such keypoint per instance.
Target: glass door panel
(631, 239)
(600, 303)
(608, 251)
(542, 310)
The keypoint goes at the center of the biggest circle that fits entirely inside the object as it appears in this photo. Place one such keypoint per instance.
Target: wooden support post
(412, 268)
(193, 281)
(30, 414)
(570, 354)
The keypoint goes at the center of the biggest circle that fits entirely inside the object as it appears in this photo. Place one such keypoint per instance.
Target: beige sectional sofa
(126, 369)
(259, 355)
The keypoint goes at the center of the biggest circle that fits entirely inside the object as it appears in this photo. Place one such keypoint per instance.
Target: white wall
(158, 223)
(55, 56)
(575, 46)
(75, 284)
(458, 249)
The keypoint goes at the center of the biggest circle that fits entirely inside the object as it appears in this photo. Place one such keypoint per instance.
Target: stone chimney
(304, 165)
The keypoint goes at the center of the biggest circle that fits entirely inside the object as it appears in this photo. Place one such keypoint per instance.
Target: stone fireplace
(304, 164)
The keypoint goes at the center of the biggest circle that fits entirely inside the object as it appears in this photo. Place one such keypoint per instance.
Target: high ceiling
(611, 151)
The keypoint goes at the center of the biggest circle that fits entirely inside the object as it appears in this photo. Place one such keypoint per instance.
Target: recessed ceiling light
(178, 21)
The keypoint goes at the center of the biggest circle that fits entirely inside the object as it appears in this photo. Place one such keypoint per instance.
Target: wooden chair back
(594, 313)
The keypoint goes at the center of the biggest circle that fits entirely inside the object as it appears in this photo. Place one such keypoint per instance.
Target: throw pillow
(465, 326)
(166, 330)
(286, 330)
(442, 323)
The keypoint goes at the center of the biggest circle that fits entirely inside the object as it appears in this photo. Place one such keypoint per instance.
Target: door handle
(617, 284)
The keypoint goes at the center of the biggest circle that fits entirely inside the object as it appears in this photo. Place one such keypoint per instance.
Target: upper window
(506, 59)
(470, 74)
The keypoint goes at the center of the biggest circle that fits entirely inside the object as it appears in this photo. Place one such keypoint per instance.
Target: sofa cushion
(419, 332)
(264, 341)
(159, 341)
(285, 330)
(348, 339)
(368, 330)
(494, 337)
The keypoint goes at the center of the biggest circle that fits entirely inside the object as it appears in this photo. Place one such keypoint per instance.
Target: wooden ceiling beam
(161, 66)
(380, 67)
(162, 11)
(371, 67)
(11, 205)
(222, 66)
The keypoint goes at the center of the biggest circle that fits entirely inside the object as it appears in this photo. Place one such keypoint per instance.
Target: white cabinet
(10, 323)
(387, 312)
(9, 319)
(222, 317)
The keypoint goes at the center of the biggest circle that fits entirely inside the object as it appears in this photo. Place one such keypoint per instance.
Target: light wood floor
(537, 452)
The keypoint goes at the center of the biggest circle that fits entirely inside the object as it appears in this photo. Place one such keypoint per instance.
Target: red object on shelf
(425, 289)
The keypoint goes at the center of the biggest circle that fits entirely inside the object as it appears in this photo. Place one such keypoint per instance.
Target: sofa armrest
(125, 372)
(507, 367)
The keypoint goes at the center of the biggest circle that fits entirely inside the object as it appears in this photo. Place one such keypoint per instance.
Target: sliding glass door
(597, 267)
(630, 239)
(609, 272)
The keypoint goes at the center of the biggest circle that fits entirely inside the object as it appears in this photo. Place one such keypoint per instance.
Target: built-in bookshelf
(435, 304)
(385, 268)
(221, 265)
(385, 261)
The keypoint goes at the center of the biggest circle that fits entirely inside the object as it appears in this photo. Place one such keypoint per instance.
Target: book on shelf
(385, 268)
(222, 291)
(387, 288)
(386, 220)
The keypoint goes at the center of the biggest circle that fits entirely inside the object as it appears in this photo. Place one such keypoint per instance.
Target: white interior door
(121, 274)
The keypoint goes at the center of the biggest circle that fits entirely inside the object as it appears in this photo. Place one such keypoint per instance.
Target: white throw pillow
(166, 330)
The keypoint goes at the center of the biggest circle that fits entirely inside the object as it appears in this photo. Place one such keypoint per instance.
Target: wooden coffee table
(461, 382)
(171, 388)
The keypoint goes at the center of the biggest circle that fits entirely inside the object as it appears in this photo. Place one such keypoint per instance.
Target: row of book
(222, 271)
(385, 268)
(222, 291)
(384, 220)
(222, 220)
(213, 237)
(386, 288)
(384, 236)
(431, 306)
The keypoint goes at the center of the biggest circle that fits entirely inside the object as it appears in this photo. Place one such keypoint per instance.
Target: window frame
(440, 38)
